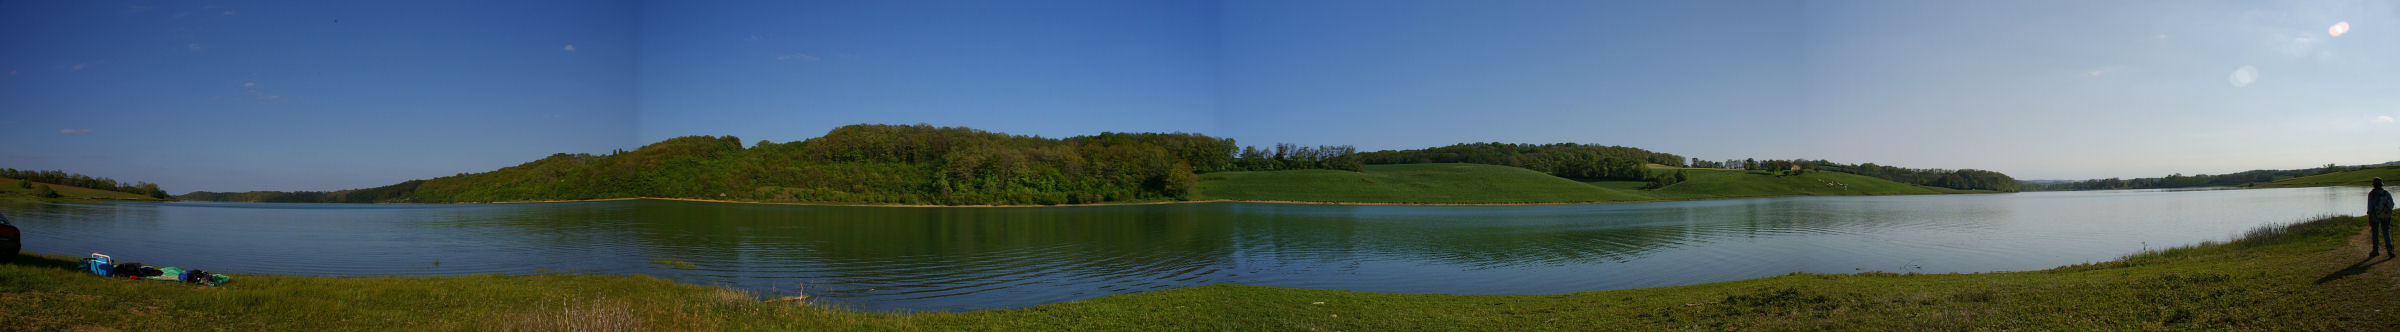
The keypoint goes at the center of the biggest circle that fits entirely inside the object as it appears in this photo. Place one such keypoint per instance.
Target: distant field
(1475, 184)
(1704, 183)
(1411, 183)
(2345, 178)
(9, 191)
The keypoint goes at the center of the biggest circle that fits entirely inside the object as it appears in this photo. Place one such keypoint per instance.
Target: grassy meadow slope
(1489, 184)
(9, 191)
(2307, 276)
(2344, 178)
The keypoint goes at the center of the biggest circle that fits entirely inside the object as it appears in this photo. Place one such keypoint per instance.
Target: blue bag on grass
(99, 264)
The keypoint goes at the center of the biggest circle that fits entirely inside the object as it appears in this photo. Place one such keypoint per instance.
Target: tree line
(2179, 180)
(1581, 161)
(1964, 179)
(1287, 156)
(368, 195)
(888, 164)
(60, 177)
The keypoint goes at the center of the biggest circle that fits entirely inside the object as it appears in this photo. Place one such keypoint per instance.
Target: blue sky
(233, 96)
(308, 96)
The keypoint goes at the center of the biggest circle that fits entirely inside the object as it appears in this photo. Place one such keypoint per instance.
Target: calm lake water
(948, 259)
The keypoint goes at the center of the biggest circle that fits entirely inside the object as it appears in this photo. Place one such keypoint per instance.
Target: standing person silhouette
(2379, 220)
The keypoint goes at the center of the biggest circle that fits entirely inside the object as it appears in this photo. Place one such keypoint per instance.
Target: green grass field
(2344, 178)
(2308, 276)
(1491, 184)
(10, 192)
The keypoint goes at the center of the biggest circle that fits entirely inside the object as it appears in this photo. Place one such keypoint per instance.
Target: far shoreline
(1141, 203)
(1128, 203)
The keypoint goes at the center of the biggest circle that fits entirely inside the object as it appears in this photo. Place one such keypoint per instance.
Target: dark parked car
(8, 239)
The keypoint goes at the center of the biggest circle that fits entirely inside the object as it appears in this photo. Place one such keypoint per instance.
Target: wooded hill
(883, 164)
(921, 164)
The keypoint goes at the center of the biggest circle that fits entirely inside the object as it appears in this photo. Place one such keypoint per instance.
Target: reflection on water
(885, 258)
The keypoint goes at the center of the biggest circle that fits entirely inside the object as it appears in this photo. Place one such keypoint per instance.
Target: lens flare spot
(2338, 28)
(2243, 76)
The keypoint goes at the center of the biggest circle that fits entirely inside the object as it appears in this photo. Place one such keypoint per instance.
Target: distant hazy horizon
(328, 96)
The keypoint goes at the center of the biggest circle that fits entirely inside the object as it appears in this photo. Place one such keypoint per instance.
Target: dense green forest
(885, 164)
(2191, 181)
(60, 177)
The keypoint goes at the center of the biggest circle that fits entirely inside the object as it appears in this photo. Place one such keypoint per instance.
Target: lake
(951, 259)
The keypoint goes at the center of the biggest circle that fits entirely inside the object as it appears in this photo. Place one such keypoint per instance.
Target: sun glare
(2338, 28)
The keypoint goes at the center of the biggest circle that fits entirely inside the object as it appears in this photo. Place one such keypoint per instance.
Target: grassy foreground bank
(2306, 276)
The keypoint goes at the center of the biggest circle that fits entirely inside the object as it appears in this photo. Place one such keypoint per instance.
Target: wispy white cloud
(796, 56)
(570, 47)
(228, 13)
(2383, 119)
(192, 46)
(755, 37)
(75, 67)
(2295, 32)
(74, 131)
(2102, 71)
(252, 89)
(2300, 46)
(2243, 76)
